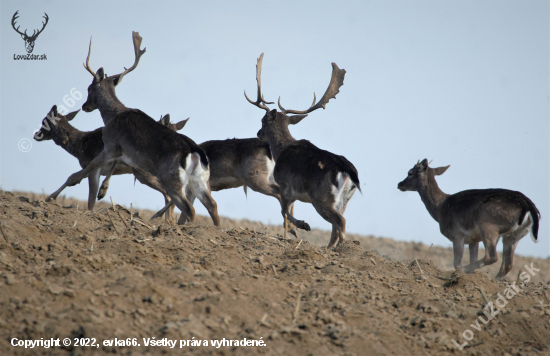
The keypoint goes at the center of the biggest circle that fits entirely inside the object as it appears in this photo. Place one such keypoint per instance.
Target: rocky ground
(66, 273)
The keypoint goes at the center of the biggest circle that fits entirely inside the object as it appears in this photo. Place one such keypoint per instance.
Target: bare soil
(69, 273)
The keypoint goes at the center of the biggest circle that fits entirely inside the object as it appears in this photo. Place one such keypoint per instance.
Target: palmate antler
(336, 82)
(136, 38)
(260, 101)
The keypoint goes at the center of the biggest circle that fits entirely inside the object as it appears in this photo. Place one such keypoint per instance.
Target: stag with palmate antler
(86, 145)
(475, 215)
(303, 171)
(139, 141)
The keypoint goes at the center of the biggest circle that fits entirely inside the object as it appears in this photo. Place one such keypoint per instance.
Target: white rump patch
(343, 191)
(194, 175)
(270, 164)
(524, 222)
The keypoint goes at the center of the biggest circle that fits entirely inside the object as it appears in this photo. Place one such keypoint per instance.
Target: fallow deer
(85, 146)
(238, 163)
(303, 171)
(471, 216)
(142, 143)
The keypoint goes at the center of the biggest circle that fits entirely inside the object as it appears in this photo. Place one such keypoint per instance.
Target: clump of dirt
(69, 273)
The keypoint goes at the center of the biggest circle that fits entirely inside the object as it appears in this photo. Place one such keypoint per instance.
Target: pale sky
(464, 83)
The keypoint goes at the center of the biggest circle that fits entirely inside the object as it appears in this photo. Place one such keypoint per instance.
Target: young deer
(140, 142)
(303, 171)
(471, 216)
(85, 146)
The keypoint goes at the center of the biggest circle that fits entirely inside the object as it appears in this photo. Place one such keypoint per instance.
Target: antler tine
(15, 17)
(336, 81)
(260, 101)
(136, 38)
(44, 23)
(87, 64)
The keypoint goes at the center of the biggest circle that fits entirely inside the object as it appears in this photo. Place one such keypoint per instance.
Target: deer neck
(69, 138)
(109, 106)
(432, 197)
(279, 140)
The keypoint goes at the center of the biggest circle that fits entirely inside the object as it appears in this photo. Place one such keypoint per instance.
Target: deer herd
(274, 164)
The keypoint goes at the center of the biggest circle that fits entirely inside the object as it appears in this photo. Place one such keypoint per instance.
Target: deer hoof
(303, 225)
(102, 192)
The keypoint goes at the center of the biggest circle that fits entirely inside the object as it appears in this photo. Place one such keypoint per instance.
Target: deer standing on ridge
(142, 143)
(85, 146)
(303, 171)
(471, 216)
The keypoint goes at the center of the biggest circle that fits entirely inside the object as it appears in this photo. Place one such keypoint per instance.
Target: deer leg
(99, 161)
(285, 205)
(152, 182)
(292, 230)
(199, 188)
(169, 205)
(509, 245)
(93, 184)
(105, 185)
(187, 210)
(336, 219)
(510, 241)
(458, 253)
(473, 248)
(489, 235)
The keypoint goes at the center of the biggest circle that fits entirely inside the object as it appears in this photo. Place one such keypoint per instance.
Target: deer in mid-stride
(471, 216)
(86, 145)
(139, 141)
(303, 171)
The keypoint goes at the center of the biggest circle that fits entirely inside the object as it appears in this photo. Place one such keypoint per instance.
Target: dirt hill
(66, 273)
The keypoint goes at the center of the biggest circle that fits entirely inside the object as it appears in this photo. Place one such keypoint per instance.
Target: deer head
(275, 123)
(103, 88)
(420, 176)
(29, 40)
(47, 129)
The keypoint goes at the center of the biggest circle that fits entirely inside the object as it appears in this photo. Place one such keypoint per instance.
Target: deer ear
(293, 120)
(440, 170)
(71, 115)
(181, 124)
(165, 120)
(272, 114)
(99, 75)
(423, 165)
(53, 111)
(116, 80)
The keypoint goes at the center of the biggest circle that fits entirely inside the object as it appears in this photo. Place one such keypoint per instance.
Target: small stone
(55, 289)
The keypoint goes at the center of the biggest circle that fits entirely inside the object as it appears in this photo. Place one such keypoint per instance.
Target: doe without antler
(471, 216)
(303, 171)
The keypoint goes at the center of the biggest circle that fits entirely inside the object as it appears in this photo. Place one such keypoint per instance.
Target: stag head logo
(29, 40)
